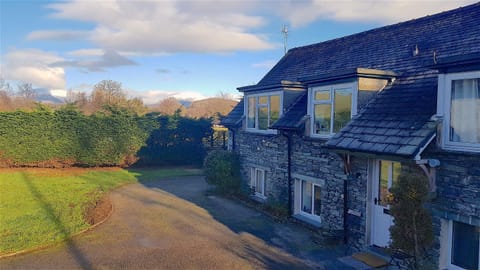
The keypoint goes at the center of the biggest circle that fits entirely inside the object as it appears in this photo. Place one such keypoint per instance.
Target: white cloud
(155, 96)
(300, 13)
(33, 66)
(267, 64)
(108, 59)
(58, 35)
(168, 26)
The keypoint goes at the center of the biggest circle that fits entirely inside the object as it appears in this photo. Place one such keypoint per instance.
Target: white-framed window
(258, 182)
(331, 108)
(310, 199)
(464, 244)
(262, 110)
(461, 110)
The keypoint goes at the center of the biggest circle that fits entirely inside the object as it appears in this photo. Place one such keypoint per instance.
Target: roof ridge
(394, 25)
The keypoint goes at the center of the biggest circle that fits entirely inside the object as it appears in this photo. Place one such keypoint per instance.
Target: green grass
(149, 174)
(40, 207)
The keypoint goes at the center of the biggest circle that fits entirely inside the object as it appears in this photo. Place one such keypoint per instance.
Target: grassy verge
(40, 207)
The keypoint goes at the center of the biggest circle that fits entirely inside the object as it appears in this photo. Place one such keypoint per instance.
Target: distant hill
(44, 95)
(210, 107)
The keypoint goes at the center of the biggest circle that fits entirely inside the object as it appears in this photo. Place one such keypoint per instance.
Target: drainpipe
(233, 139)
(289, 170)
(345, 211)
(346, 163)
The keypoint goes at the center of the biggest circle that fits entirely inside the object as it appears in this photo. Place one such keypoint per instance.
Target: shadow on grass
(72, 247)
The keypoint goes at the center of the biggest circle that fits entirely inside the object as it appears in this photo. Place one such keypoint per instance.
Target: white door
(384, 175)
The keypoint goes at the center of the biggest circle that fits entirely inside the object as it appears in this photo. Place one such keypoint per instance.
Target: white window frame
(256, 96)
(253, 182)
(331, 88)
(444, 95)
(300, 198)
(450, 245)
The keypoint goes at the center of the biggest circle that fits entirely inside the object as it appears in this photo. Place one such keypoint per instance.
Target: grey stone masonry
(268, 152)
(458, 186)
(310, 162)
(311, 159)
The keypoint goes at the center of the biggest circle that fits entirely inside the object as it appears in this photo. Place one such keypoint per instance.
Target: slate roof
(397, 122)
(294, 115)
(454, 32)
(234, 118)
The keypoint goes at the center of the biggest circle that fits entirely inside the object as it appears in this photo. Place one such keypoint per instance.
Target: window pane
(274, 108)
(251, 113)
(263, 100)
(343, 108)
(465, 245)
(263, 117)
(383, 182)
(260, 183)
(317, 203)
(322, 95)
(397, 168)
(306, 197)
(322, 118)
(465, 111)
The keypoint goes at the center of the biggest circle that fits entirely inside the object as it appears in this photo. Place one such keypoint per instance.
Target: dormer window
(262, 110)
(331, 108)
(461, 108)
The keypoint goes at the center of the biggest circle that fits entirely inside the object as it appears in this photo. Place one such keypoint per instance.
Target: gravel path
(172, 224)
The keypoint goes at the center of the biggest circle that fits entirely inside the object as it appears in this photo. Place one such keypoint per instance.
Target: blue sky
(181, 48)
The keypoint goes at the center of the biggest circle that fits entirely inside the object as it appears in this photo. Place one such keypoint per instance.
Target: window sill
(474, 149)
(258, 197)
(315, 221)
(262, 132)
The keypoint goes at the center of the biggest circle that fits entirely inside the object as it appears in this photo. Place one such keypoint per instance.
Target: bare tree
(6, 93)
(107, 92)
(169, 106)
(225, 95)
(26, 91)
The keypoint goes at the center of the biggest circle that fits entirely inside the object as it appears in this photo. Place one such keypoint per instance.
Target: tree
(25, 90)
(412, 229)
(6, 103)
(107, 92)
(169, 106)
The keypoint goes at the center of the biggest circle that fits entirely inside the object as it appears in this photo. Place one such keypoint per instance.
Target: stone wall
(311, 159)
(357, 203)
(268, 152)
(457, 197)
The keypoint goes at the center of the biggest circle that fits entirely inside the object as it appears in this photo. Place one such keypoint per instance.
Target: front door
(385, 173)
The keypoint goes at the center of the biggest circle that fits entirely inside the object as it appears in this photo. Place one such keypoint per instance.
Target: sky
(182, 48)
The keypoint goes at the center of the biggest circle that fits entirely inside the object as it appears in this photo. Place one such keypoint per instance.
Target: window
(331, 108)
(262, 111)
(388, 172)
(257, 182)
(310, 199)
(461, 111)
(464, 246)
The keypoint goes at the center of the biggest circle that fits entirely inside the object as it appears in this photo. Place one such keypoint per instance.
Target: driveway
(173, 224)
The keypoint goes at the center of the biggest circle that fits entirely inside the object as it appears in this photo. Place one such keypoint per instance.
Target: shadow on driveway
(289, 237)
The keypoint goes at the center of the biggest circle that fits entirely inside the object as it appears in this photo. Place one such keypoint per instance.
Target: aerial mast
(285, 37)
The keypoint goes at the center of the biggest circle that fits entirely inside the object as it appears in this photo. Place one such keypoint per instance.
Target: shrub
(177, 141)
(222, 169)
(412, 231)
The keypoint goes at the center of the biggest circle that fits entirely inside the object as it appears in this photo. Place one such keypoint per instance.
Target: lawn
(40, 207)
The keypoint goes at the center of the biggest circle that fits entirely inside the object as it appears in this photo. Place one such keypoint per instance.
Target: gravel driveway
(173, 224)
